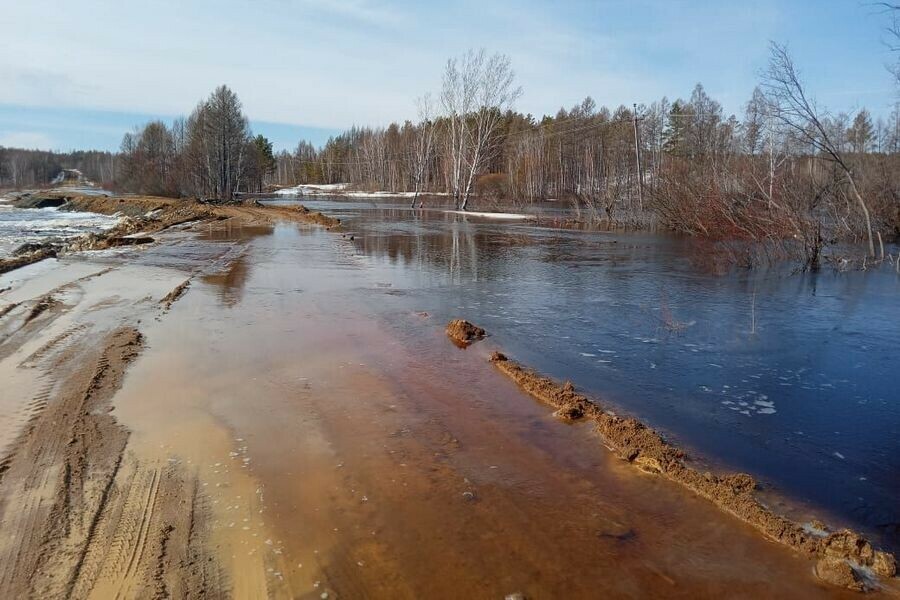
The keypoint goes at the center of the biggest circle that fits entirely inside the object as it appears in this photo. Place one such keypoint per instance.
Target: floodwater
(789, 376)
(346, 448)
(23, 225)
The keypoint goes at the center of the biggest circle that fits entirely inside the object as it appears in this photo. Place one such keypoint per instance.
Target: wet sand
(279, 429)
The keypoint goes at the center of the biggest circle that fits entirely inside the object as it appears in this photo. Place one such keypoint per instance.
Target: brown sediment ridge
(146, 215)
(42, 305)
(8, 309)
(11, 264)
(734, 493)
(173, 296)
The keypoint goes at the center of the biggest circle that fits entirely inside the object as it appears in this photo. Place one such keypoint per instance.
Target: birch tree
(477, 90)
(424, 143)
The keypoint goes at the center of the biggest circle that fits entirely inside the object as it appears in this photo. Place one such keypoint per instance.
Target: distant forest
(786, 170)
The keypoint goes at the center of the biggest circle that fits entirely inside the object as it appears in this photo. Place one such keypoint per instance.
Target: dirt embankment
(26, 258)
(318, 218)
(734, 493)
(143, 216)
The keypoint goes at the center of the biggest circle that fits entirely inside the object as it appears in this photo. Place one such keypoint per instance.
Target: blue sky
(79, 75)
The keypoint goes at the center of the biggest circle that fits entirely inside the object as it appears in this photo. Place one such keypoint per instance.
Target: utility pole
(637, 154)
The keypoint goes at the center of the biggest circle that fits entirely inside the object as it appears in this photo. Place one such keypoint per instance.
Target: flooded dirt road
(788, 376)
(289, 427)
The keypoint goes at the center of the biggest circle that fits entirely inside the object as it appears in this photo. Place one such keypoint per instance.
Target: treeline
(784, 172)
(21, 168)
(212, 154)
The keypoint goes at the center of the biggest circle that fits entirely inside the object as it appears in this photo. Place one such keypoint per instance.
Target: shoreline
(636, 443)
(144, 329)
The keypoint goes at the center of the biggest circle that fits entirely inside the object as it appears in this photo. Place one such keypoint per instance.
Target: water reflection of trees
(464, 251)
(231, 282)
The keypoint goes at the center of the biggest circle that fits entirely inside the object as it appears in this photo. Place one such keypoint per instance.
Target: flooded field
(789, 376)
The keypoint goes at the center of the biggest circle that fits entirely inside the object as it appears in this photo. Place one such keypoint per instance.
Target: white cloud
(333, 64)
(32, 140)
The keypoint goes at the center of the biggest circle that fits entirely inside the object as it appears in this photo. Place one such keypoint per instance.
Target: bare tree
(457, 99)
(755, 116)
(218, 135)
(477, 90)
(424, 143)
(800, 115)
(148, 158)
(893, 31)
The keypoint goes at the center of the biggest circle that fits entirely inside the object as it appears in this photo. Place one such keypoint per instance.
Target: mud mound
(132, 240)
(41, 200)
(8, 309)
(636, 443)
(131, 206)
(838, 572)
(464, 333)
(318, 218)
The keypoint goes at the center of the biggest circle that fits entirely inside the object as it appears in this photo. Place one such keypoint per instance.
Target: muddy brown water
(342, 447)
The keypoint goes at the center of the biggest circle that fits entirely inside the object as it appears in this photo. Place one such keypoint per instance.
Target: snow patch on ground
(343, 189)
(494, 215)
(312, 189)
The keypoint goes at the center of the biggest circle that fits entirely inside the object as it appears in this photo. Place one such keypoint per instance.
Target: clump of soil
(464, 333)
(838, 572)
(734, 493)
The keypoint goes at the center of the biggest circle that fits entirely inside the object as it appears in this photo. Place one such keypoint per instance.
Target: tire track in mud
(32, 360)
(43, 485)
(36, 313)
(79, 515)
(108, 567)
(146, 515)
(24, 418)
